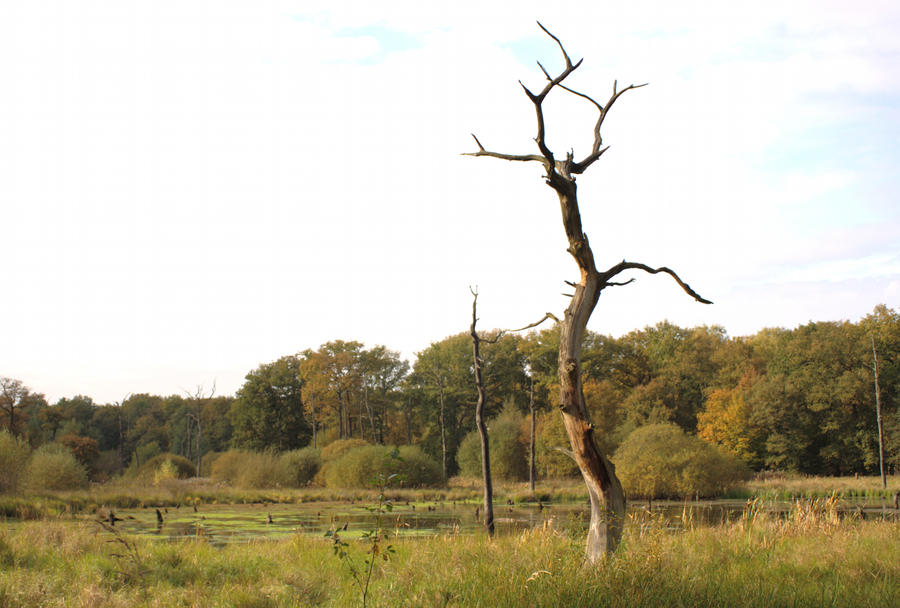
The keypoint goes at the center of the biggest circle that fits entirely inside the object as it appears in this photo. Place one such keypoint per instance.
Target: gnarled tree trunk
(605, 492)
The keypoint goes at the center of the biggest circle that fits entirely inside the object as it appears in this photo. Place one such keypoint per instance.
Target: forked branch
(568, 167)
(622, 266)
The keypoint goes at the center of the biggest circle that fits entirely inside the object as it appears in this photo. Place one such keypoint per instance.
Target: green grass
(787, 487)
(812, 557)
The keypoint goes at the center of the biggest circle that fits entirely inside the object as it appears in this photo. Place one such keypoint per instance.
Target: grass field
(813, 557)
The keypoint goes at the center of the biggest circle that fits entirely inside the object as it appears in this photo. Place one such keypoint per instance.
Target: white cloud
(197, 190)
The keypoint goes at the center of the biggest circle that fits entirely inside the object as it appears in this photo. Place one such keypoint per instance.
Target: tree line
(800, 400)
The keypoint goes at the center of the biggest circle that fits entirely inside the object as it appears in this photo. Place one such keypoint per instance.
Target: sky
(190, 189)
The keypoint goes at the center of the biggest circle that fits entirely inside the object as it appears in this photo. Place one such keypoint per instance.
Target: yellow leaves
(725, 421)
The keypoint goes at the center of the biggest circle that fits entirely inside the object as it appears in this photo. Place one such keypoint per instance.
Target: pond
(220, 524)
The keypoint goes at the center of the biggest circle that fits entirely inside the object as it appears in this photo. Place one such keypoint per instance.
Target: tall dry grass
(811, 556)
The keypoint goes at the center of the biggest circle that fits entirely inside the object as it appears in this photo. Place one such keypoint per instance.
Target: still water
(220, 524)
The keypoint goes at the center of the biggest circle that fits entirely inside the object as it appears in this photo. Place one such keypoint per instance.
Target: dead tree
(197, 398)
(479, 421)
(532, 473)
(605, 492)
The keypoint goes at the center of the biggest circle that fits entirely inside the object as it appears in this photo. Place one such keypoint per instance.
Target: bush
(227, 466)
(661, 461)
(179, 467)
(509, 460)
(248, 469)
(362, 466)
(418, 469)
(336, 449)
(53, 467)
(298, 468)
(14, 454)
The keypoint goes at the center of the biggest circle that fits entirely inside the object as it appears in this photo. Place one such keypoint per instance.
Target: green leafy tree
(268, 409)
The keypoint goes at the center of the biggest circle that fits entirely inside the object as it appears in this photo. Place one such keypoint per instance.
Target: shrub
(336, 449)
(248, 469)
(227, 466)
(661, 461)
(52, 467)
(298, 468)
(509, 460)
(179, 467)
(418, 468)
(361, 467)
(14, 454)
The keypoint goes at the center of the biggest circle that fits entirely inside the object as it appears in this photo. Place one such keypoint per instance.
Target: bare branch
(501, 155)
(623, 266)
(547, 315)
(544, 71)
(561, 48)
(619, 284)
(597, 150)
(502, 332)
(568, 453)
(538, 99)
(574, 92)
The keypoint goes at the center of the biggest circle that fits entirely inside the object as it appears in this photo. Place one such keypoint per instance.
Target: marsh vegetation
(810, 555)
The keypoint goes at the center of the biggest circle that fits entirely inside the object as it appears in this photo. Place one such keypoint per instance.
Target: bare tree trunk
(878, 417)
(532, 473)
(604, 490)
(479, 423)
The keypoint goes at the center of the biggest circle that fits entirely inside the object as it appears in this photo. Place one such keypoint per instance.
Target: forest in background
(795, 400)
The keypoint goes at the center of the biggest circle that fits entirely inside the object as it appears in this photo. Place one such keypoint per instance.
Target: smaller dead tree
(197, 398)
(479, 420)
(532, 473)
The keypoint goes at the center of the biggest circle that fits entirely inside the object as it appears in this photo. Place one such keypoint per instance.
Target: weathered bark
(532, 473)
(479, 423)
(604, 490)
